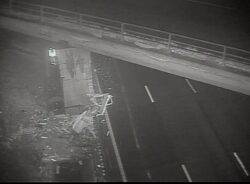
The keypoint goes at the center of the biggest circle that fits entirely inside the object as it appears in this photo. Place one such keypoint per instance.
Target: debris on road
(44, 137)
(80, 162)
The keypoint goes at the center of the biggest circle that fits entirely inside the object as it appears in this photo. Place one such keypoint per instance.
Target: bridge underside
(95, 40)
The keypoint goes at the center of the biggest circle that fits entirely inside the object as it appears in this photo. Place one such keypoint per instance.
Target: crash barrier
(172, 41)
(103, 101)
(100, 103)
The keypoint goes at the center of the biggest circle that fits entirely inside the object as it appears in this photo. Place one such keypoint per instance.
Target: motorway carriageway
(168, 128)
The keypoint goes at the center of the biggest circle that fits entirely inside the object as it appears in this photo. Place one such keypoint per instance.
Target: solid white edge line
(241, 164)
(129, 110)
(124, 178)
(186, 173)
(191, 86)
(130, 119)
(149, 94)
(117, 154)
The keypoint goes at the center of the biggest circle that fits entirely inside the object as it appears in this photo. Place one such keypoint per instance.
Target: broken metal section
(85, 120)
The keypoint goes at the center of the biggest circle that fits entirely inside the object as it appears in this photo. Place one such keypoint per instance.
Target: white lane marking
(186, 173)
(149, 175)
(124, 178)
(149, 94)
(190, 85)
(241, 164)
(130, 117)
(212, 4)
(117, 154)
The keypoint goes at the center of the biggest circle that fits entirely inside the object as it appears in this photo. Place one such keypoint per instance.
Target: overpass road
(169, 128)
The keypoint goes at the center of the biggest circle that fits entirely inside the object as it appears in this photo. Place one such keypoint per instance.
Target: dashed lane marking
(149, 94)
(186, 173)
(241, 164)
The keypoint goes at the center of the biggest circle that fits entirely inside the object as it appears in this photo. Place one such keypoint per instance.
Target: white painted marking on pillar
(186, 173)
(117, 154)
(149, 175)
(191, 86)
(149, 94)
(241, 164)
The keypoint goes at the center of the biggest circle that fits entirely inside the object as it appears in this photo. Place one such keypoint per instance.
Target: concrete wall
(74, 70)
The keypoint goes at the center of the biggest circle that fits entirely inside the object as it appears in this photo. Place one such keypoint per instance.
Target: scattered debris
(80, 162)
(41, 123)
(82, 121)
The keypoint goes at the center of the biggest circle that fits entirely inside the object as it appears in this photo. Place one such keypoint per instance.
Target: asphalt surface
(200, 129)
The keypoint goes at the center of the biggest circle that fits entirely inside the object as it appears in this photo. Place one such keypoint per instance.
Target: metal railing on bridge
(170, 40)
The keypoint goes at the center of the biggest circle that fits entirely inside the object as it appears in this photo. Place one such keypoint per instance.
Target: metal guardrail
(171, 40)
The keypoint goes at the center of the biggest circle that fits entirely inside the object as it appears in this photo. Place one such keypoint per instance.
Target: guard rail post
(224, 54)
(169, 42)
(122, 28)
(10, 6)
(80, 19)
(122, 31)
(41, 13)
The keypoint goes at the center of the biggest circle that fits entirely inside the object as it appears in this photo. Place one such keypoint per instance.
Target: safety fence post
(169, 42)
(122, 28)
(122, 31)
(224, 54)
(10, 6)
(41, 13)
(80, 18)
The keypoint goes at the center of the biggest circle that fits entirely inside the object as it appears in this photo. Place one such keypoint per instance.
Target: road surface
(169, 128)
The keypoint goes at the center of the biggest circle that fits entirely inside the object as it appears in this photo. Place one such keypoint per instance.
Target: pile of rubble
(63, 138)
(57, 142)
(59, 139)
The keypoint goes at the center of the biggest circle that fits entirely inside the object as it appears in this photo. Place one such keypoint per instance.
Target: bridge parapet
(166, 54)
(148, 38)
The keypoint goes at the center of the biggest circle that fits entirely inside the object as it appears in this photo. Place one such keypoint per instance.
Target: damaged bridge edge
(88, 70)
(106, 116)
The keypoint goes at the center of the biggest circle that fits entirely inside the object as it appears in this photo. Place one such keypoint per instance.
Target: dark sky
(234, 4)
(203, 19)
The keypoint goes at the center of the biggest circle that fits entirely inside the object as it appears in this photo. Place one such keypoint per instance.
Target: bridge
(180, 55)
